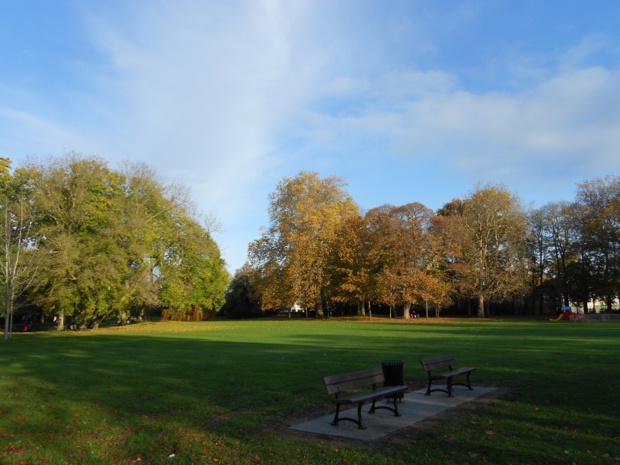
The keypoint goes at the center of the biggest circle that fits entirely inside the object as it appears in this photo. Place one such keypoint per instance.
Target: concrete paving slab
(415, 407)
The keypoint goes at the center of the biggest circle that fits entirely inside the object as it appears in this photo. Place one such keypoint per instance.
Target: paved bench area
(415, 407)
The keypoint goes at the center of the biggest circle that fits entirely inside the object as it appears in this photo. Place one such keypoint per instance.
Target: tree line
(82, 242)
(321, 252)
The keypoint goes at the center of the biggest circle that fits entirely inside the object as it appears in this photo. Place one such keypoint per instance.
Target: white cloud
(571, 118)
(229, 97)
(199, 90)
(205, 93)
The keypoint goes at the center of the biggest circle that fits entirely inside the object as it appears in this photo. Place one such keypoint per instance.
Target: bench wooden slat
(366, 396)
(438, 362)
(353, 380)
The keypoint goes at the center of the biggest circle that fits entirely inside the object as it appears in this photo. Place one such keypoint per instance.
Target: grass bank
(224, 392)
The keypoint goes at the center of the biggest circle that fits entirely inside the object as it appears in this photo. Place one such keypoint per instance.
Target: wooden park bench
(340, 384)
(431, 365)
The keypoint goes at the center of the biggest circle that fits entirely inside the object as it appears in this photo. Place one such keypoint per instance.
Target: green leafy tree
(241, 297)
(77, 200)
(20, 258)
(194, 277)
(120, 242)
(147, 226)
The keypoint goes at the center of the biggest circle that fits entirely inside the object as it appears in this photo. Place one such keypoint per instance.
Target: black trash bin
(394, 373)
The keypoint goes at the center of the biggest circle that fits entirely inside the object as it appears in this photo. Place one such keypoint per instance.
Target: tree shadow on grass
(113, 399)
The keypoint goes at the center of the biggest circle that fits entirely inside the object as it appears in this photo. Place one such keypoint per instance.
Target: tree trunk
(61, 322)
(480, 306)
(8, 305)
(319, 309)
(407, 311)
(121, 318)
(8, 319)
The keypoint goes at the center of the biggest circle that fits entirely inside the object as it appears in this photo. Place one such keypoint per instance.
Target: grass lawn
(224, 392)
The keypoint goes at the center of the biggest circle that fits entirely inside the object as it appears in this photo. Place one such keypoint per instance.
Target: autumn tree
(451, 250)
(351, 268)
(292, 254)
(404, 259)
(497, 226)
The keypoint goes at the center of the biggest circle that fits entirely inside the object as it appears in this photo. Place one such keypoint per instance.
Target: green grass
(224, 392)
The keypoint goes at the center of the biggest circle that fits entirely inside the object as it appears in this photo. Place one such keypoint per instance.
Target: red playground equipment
(566, 314)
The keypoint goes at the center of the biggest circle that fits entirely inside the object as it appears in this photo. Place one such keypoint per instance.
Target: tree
(351, 267)
(554, 248)
(18, 261)
(147, 228)
(451, 248)
(598, 204)
(497, 226)
(194, 277)
(118, 242)
(77, 201)
(539, 251)
(291, 256)
(241, 298)
(402, 255)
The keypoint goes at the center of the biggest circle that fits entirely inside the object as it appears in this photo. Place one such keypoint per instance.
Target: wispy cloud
(229, 97)
(570, 119)
(242, 91)
(206, 83)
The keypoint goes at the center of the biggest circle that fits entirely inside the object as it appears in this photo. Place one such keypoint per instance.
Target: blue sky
(408, 101)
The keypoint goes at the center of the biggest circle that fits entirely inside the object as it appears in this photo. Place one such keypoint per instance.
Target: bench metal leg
(448, 389)
(359, 422)
(467, 384)
(336, 419)
(449, 385)
(385, 407)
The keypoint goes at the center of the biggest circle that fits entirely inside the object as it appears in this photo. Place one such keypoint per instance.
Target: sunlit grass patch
(224, 392)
